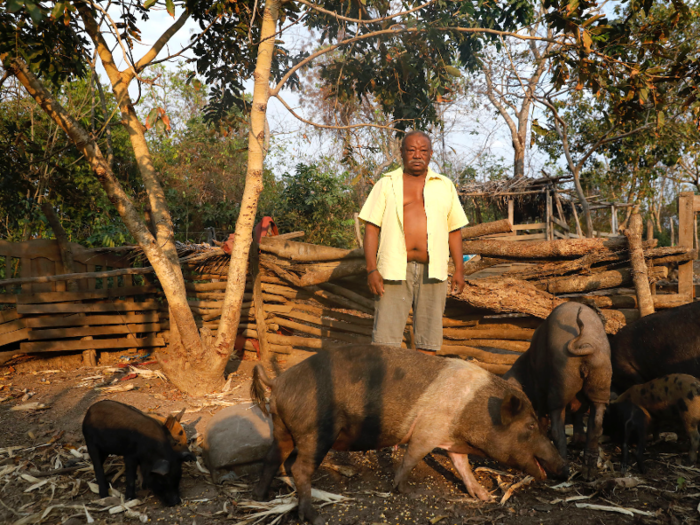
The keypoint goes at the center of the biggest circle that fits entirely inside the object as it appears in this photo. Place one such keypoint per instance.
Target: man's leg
(391, 313)
(429, 297)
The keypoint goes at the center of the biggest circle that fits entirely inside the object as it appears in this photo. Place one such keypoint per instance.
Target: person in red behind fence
(413, 219)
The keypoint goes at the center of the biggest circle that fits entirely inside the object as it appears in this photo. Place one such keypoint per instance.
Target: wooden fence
(304, 296)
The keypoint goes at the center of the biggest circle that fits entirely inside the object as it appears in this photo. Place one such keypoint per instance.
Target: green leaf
(58, 10)
(152, 118)
(660, 118)
(148, 4)
(170, 7)
(35, 11)
(453, 71)
(160, 127)
(14, 5)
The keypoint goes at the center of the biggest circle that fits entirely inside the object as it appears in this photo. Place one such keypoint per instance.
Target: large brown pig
(568, 365)
(369, 397)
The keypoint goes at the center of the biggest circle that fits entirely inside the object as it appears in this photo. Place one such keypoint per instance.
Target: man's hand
(457, 285)
(376, 283)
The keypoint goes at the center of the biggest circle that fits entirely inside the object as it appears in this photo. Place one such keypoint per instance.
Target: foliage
(319, 203)
(37, 161)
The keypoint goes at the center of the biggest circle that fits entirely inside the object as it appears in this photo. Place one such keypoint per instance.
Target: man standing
(413, 219)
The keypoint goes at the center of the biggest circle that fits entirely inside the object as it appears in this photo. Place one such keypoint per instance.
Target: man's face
(416, 154)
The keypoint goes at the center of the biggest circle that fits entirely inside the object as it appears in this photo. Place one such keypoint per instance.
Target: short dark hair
(416, 132)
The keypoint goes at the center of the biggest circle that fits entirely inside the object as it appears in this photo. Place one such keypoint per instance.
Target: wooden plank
(13, 337)
(12, 326)
(97, 344)
(61, 297)
(59, 286)
(68, 308)
(81, 276)
(686, 218)
(90, 320)
(696, 203)
(8, 315)
(560, 223)
(25, 272)
(533, 226)
(60, 333)
(91, 283)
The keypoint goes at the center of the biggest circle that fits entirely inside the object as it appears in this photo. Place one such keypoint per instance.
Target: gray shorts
(426, 296)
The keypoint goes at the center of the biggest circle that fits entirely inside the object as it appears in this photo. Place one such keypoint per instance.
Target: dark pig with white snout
(370, 397)
(568, 367)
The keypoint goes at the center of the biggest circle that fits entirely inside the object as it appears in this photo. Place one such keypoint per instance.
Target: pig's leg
(282, 446)
(558, 433)
(417, 450)
(595, 429)
(475, 489)
(98, 464)
(691, 427)
(130, 465)
(641, 444)
(310, 454)
(579, 435)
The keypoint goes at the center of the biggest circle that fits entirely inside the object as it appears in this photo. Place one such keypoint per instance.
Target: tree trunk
(563, 248)
(235, 286)
(639, 268)
(63, 243)
(584, 204)
(597, 281)
(508, 296)
(188, 369)
(519, 159)
(487, 228)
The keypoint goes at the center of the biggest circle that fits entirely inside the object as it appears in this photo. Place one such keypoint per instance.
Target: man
(413, 219)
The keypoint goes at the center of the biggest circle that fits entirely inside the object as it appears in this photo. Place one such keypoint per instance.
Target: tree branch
(320, 9)
(327, 126)
(164, 39)
(396, 29)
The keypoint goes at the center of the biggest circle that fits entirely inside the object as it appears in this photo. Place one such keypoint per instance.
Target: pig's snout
(557, 469)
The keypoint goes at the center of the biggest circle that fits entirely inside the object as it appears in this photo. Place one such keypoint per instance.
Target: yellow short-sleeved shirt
(384, 208)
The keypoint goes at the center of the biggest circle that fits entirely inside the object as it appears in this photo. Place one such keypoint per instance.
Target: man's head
(416, 150)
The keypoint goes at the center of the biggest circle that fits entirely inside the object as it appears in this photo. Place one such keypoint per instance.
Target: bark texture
(235, 286)
(639, 268)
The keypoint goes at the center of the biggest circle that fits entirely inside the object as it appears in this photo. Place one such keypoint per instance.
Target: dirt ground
(46, 476)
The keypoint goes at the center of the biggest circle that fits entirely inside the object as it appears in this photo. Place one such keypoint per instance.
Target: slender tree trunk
(187, 365)
(231, 311)
(63, 242)
(518, 161)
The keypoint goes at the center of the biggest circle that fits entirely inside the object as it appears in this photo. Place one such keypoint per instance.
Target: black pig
(369, 397)
(114, 428)
(667, 342)
(568, 366)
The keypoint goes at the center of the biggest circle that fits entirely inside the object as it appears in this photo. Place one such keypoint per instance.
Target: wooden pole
(358, 231)
(76, 276)
(639, 268)
(579, 232)
(487, 228)
(548, 217)
(511, 210)
(258, 303)
(686, 218)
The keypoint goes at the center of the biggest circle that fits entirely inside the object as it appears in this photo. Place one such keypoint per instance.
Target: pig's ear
(511, 407)
(170, 422)
(178, 418)
(162, 467)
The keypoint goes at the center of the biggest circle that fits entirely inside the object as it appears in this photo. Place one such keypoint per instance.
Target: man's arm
(455, 241)
(371, 245)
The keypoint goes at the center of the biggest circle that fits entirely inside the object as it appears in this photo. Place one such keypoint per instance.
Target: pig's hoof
(259, 495)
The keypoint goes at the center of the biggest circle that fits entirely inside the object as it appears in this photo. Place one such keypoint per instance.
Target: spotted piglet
(675, 395)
